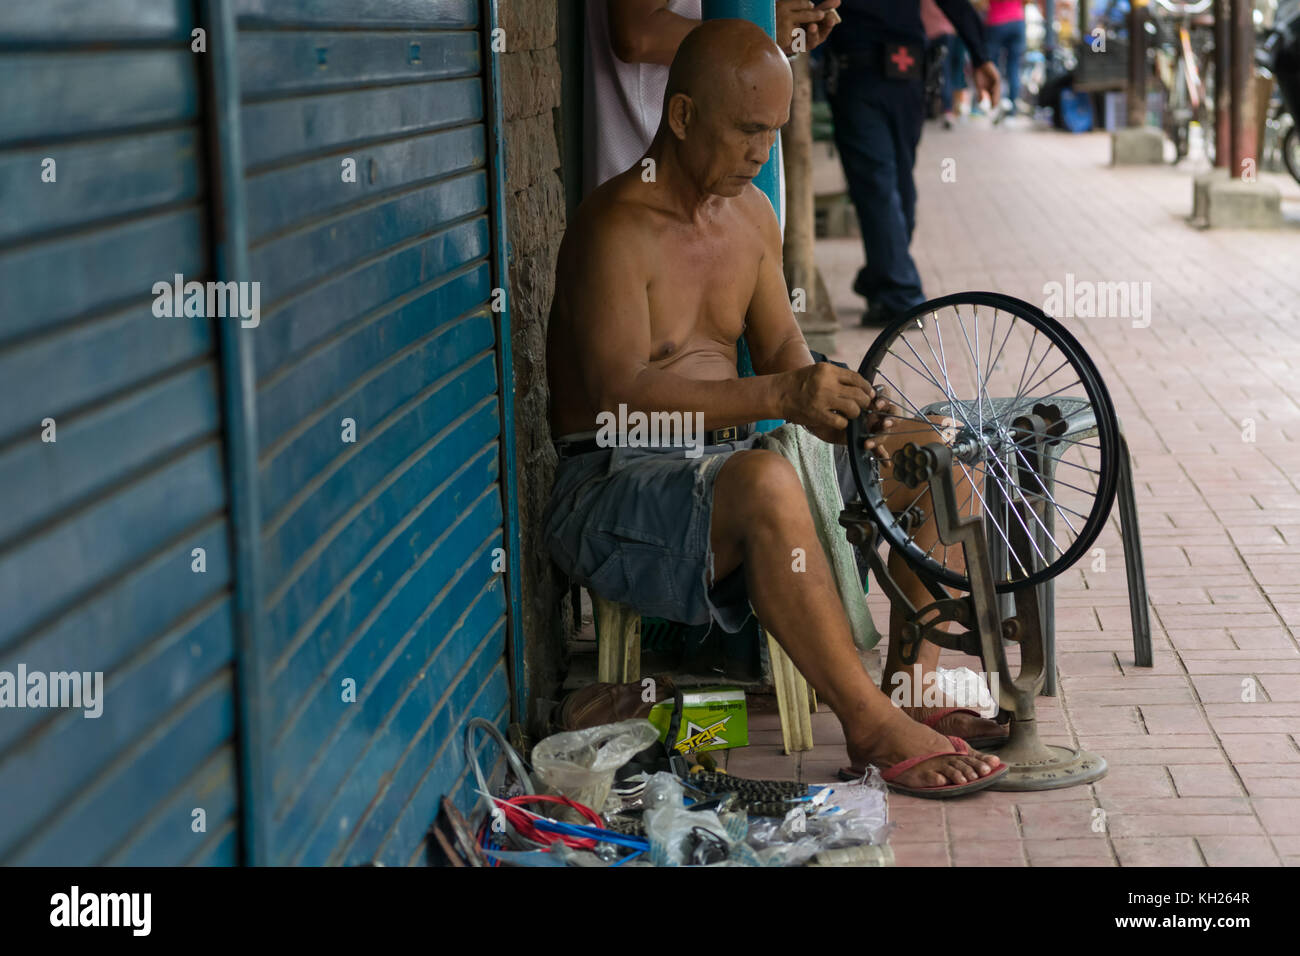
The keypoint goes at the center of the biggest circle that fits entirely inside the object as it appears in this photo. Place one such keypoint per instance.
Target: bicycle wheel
(966, 370)
(1291, 151)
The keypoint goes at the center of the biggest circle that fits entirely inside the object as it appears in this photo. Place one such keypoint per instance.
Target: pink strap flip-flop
(979, 743)
(890, 774)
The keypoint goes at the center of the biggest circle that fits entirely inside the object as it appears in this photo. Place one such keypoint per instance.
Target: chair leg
(1047, 596)
(1139, 611)
(792, 700)
(618, 628)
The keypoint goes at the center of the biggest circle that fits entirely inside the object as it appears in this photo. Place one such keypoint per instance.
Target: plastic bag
(580, 763)
(682, 837)
(967, 689)
(853, 815)
(662, 789)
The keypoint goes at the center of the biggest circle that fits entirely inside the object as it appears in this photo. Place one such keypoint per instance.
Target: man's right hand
(797, 14)
(825, 396)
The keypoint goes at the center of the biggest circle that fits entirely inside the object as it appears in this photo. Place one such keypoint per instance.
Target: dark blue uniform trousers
(877, 128)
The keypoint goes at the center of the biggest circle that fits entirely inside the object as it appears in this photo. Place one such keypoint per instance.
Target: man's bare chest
(699, 292)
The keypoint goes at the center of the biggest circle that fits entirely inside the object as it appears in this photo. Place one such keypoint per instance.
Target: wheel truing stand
(1034, 765)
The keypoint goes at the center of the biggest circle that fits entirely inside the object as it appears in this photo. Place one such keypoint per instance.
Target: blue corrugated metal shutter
(376, 555)
(98, 527)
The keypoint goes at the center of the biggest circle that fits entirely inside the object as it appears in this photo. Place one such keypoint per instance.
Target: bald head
(721, 61)
(728, 95)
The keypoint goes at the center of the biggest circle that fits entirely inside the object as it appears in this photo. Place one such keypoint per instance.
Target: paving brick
(1227, 688)
(921, 854)
(1260, 748)
(1157, 851)
(1175, 741)
(1238, 851)
(1178, 824)
(992, 853)
(1270, 779)
(1137, 781)
(1094, 851)
(1261, 638)
(1106, 720)
(1280, 815)
(1282, 687)
(762, 763)
(1256, 724)
(1052, 821)
(1182, 720)
(1214, 780)
(1152, 757)
(1130, 805)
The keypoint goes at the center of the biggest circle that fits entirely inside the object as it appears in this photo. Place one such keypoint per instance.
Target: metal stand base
(1039, 766)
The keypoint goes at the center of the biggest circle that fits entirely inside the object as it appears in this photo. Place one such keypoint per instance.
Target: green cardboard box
(713, 718)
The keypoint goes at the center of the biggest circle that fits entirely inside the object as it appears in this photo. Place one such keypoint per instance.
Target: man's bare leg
(760, 516)
(911, 685)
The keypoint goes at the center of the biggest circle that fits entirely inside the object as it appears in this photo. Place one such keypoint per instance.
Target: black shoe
(858, 287)
(877, 317)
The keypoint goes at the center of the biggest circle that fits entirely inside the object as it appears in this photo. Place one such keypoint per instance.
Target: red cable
(523, 823)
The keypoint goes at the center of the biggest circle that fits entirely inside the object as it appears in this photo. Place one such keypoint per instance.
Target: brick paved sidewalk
(1198, 777)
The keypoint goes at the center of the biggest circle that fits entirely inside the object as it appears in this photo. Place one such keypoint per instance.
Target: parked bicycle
(1279, 53)
(1184, 60)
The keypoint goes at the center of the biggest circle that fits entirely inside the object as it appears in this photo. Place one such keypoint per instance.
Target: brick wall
(535, 218)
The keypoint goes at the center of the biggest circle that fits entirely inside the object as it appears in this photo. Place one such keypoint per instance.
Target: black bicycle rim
(866, 474)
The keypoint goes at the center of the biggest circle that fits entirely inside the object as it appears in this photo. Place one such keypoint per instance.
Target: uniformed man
(875, 85)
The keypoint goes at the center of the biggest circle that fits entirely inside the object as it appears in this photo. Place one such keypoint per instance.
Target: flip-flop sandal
(979, 743)
(960, 748)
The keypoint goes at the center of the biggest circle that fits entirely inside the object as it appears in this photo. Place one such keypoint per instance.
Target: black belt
(571, 449)
(896, 60)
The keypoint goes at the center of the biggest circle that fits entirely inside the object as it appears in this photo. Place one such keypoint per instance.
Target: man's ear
(681, 114)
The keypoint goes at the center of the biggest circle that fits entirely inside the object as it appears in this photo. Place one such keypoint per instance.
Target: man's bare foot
(902, 738)
(960, 723)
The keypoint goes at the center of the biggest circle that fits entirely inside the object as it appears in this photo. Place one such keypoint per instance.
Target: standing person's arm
(646, 31)
(967, 24)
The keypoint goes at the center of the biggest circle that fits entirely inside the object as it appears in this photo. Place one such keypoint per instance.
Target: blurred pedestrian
(1004, 31)
(938, 35)
(876, 93)
(946, 56)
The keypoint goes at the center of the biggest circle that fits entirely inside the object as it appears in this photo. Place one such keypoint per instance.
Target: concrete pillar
(1233, 197)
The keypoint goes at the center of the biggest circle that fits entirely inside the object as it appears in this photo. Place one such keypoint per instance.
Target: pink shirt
(1005, 11)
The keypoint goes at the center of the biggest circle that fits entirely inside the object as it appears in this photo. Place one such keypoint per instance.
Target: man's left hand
(881, 418)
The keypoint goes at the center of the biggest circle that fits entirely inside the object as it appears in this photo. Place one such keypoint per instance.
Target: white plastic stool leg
(618, 628)
(793, 699)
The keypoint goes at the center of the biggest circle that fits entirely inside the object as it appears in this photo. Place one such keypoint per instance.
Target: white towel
(814, 462)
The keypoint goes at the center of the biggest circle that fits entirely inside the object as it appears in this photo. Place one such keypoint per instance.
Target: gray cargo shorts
(632, 525)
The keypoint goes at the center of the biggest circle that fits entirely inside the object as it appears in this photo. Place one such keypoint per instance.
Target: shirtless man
(658, 276)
